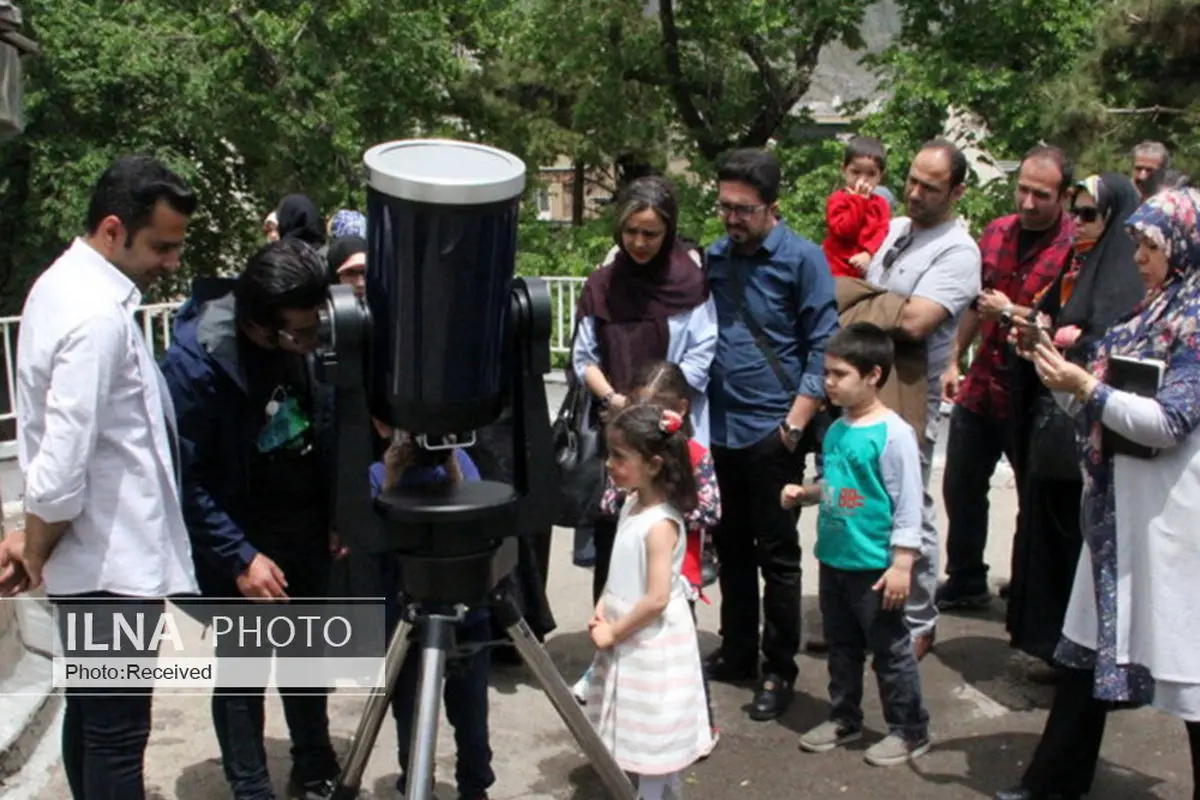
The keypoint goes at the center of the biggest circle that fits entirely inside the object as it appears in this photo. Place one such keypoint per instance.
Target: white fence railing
(156, 321)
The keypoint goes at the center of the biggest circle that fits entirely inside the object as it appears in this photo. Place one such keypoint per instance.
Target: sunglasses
(1085, 213)
(897, 250)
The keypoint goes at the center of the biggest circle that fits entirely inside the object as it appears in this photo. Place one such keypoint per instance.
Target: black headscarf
(1107, 286)
(340, 249)
(299, 219)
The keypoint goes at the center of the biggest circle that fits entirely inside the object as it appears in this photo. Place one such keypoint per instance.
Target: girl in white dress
(646, 694)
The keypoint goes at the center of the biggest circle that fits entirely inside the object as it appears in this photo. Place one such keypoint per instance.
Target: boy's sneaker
(894, 750)
(829, 735)
(580, 689)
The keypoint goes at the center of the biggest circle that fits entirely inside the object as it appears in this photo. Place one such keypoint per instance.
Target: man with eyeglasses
(255, 430)
(929, 259)
(1022, 255)
(775, 312)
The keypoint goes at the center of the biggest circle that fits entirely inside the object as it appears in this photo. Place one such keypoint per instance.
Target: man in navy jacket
(254, 434)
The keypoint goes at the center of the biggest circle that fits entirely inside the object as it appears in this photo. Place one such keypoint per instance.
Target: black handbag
(578, 455)
(1053, 451)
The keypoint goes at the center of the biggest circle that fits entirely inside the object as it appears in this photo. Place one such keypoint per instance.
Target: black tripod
(437, 641)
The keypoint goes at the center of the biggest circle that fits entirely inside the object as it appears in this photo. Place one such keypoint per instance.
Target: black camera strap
(756, 331)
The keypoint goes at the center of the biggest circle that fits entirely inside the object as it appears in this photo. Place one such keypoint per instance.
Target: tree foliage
(247, 103)
(1138, 82)
(994, 59)
(252, 99)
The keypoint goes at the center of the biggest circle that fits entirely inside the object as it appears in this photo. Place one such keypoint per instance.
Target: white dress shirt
(93, 436)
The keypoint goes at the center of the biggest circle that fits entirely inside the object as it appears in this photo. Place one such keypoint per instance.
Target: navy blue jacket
(217, 432)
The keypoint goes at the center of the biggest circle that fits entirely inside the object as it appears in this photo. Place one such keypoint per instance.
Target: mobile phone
(1030, 334)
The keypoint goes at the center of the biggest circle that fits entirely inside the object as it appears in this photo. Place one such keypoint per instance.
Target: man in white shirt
(97, 446)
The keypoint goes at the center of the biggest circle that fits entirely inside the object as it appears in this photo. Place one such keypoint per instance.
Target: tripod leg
(436, 640)
(564, 703)
(373, 713)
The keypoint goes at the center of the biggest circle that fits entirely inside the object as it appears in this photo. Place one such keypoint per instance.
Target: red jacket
(853, 224)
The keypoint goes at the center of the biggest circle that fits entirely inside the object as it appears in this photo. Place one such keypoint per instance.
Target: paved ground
(986, 720)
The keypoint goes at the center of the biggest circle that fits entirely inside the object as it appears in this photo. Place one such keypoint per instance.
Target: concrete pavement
(985, 717)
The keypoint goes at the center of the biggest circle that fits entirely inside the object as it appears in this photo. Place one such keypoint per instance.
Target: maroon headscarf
(631, 303)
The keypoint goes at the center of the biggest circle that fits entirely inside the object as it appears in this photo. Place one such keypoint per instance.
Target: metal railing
(156, 321)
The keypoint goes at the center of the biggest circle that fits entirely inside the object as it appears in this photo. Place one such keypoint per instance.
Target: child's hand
(602, 635)
(399, 455)
(894, 584)
(792, 495)
(860, 261)
(863, 187)
(1066, 336)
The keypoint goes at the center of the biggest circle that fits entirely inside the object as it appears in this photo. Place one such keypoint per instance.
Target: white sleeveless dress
(646, 694)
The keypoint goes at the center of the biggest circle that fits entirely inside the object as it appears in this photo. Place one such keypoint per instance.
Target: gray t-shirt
(942, 264)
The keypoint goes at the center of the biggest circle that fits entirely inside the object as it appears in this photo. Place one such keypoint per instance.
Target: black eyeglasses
(1085, 213)
(897, 249)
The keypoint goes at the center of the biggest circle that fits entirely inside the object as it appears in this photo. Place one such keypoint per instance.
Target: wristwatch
(1006, 316)
(791, 434)
(606, 401)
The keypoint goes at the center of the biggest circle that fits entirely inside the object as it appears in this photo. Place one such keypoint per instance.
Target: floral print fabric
(1165, 326)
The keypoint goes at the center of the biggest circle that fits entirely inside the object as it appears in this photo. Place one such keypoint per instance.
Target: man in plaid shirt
(1022, 255)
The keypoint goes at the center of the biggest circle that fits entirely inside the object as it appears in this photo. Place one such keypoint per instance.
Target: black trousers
(1069, 750)
(105, 730)
(1066, 756)
(756, 535)
(239, 714)
(973, 450)
(604, 534)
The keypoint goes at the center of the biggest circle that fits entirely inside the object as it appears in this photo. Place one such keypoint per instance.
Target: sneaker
(580, 689)
(894, 750)
(829, 735)
(714, 740)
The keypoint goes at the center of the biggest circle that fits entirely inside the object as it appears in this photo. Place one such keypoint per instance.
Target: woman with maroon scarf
(649, 302)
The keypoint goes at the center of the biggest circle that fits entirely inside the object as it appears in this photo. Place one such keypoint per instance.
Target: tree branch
(677, 85)
(1146, 110)
(260, 47)
(770, 77)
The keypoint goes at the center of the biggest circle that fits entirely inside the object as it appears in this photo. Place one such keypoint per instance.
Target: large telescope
(449, 343)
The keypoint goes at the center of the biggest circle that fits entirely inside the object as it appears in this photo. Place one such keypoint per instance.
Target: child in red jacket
(856, 219)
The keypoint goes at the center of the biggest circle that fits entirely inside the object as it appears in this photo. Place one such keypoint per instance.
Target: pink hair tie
(670, 423)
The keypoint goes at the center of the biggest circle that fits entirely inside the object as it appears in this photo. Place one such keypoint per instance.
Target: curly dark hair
(640, 425)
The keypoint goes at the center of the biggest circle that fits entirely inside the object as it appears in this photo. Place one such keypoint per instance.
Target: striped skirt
(646, 695)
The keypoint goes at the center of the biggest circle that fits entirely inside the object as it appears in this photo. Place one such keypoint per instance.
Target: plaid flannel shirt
(985, 388)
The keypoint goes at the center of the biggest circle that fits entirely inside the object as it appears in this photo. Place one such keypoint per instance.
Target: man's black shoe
(1021, 793)
(772, 699)
(954, 597)
(319, 789)
(721, 670)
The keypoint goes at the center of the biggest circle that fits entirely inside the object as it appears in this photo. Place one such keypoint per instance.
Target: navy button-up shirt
(790, 291)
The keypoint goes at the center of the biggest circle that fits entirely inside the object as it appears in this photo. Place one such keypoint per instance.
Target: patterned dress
(1166, 326)
(646, 694)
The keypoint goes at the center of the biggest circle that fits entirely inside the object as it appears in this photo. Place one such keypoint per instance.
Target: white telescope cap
(444, 172)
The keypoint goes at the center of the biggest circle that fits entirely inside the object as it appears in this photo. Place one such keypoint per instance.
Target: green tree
(249, 103)
(995, 59)
(1137, 82)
